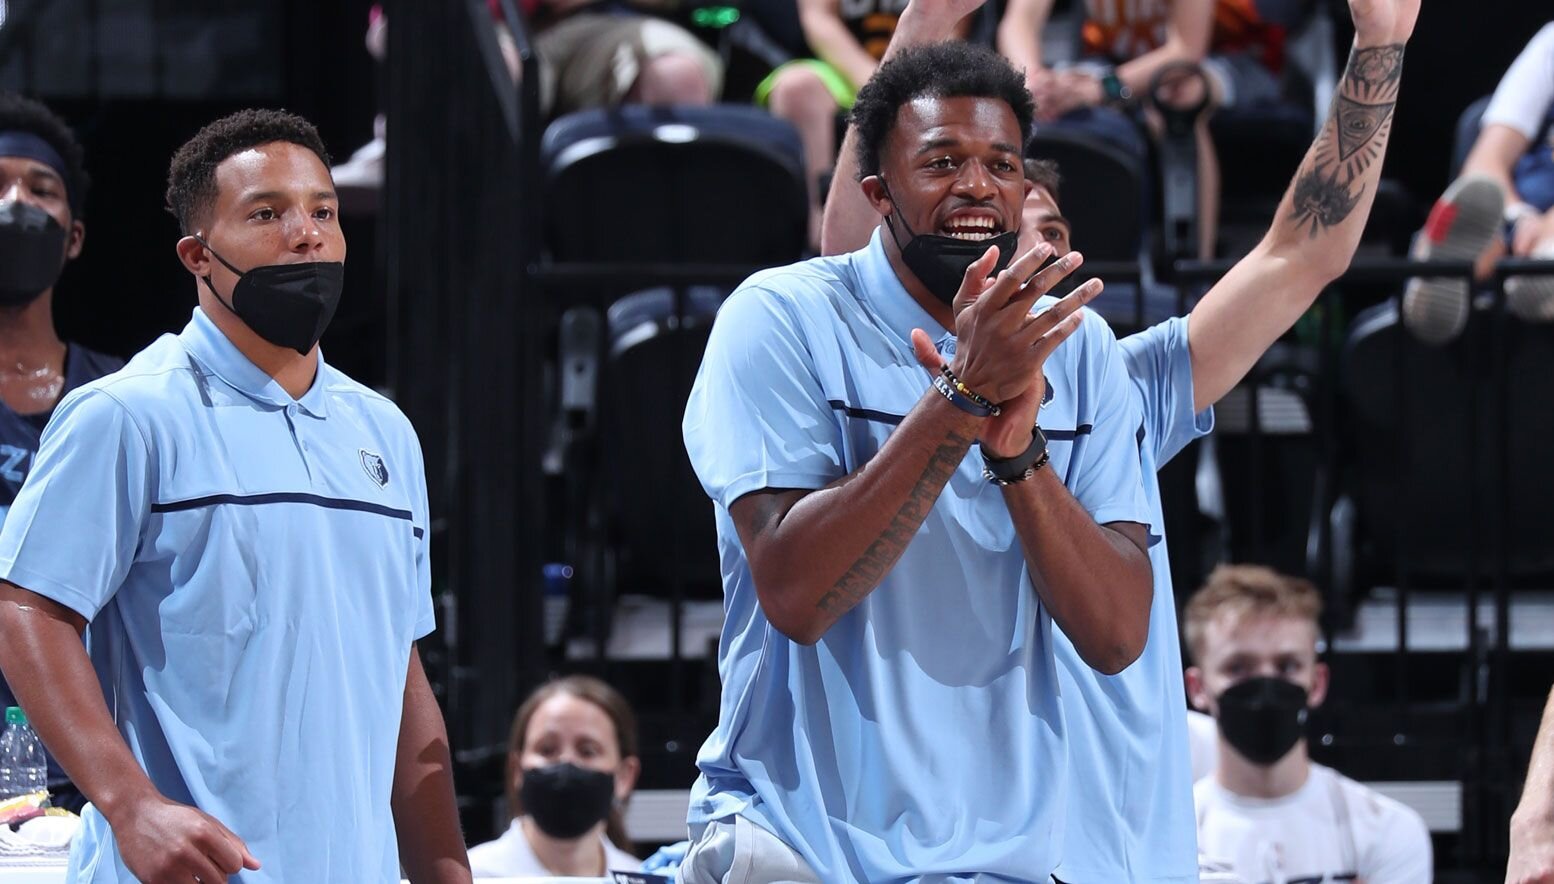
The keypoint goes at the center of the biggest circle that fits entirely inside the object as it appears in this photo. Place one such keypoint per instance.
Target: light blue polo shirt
(1131, 817)
(922, 736)
(255, 570)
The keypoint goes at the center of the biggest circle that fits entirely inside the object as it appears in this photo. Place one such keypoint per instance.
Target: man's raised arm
(1318, 224)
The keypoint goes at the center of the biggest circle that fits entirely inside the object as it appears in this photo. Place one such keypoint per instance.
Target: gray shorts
(734, 850)
(592, 59)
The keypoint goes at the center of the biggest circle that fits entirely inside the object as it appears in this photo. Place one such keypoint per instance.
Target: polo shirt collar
(884, 294)
(218, 354)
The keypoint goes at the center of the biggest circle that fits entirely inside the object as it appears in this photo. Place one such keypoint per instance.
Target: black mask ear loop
(894, 210)
(206, 278)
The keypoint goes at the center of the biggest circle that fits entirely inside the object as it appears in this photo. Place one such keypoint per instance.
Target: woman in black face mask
(571, 765)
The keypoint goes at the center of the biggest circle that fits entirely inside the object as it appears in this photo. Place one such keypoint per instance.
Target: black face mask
(1263, 718)
(940, 262)
(566, 800)
(32, 253)
(288, 305)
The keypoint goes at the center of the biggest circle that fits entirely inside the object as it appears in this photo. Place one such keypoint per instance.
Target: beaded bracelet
(970, 406)
(965, 390)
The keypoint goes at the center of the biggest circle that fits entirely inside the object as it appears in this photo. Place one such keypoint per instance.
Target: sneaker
(1532, 297)
(1464, 221)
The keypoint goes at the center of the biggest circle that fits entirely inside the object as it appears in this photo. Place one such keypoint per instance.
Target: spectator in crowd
(1127, 734)
(877, 571)
(246, 530)
(1126, 43)
(43, 185)
(1532, 825)
(1502, 204)
(1268, 812)
(571, 765)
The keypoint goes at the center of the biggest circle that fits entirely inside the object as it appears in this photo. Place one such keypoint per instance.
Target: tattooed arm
(814, 555)
(794, 536)
(1319, 222)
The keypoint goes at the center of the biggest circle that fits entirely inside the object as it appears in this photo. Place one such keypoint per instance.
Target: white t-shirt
(510, 856)
(1526, 92)
(1332, 829)
(1202, 743)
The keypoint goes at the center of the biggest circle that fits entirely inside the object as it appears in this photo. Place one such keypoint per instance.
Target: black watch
(1005, 471)
(1117, 92)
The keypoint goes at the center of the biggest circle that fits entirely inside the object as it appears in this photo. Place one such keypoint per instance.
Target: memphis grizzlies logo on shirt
(374, 466)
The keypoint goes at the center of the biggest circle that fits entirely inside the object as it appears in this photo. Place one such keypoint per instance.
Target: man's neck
(581, 857)
(1278, 780)
(293, 371)
(27, 333)
(936, 308)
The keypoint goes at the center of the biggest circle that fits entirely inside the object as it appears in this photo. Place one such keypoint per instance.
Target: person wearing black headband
(1267, 812)
(42, 192)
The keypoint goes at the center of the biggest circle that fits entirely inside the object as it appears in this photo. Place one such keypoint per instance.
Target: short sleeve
(1159, 365)
(757, 416)
(73, 531)
(1401, 852)
(1526, 92)
(1108, 481)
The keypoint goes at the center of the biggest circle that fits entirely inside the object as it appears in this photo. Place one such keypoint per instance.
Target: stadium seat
(1099, 182)
(709, 185)
(659, 523)
(1426, 474)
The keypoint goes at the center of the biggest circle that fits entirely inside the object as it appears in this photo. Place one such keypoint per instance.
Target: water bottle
(23, 769)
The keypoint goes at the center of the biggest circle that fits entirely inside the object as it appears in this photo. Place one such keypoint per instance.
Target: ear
(194, 256)
(1197, 694)
(626, 777)
(1029, 186)
(1319, 680)
(75, 241)
(874, 192)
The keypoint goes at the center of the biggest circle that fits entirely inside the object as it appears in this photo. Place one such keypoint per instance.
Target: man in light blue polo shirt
(245, 529)
(890, 704)
(1131, 818)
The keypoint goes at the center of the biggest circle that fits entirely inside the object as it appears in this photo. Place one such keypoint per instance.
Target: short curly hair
(21, 114)
(938, 70)
(191, 179)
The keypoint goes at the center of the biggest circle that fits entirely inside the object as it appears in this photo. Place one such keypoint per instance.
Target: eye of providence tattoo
(1325, 192)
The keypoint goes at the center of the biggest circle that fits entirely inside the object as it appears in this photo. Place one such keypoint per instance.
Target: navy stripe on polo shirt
(253, 590)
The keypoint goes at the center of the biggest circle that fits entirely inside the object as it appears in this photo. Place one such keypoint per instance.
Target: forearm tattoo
(872, 566)
(1330, 182)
